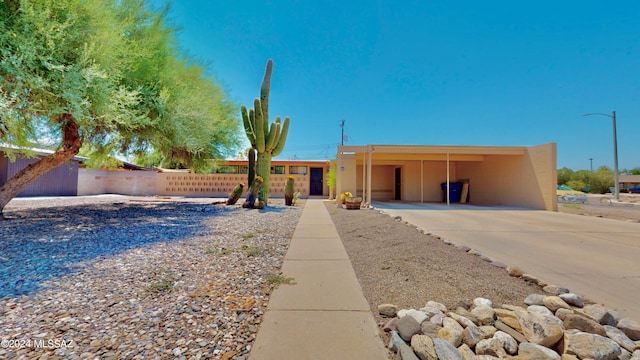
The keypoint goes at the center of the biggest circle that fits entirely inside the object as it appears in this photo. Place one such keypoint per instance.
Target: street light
(615, 151)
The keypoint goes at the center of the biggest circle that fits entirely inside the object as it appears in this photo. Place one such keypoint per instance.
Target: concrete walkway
(324, 314)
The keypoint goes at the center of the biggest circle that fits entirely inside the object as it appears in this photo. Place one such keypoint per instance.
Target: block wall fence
(150, 183)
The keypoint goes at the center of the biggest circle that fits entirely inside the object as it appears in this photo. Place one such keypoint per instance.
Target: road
(596, 258)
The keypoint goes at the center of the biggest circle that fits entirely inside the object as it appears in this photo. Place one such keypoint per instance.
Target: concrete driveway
(597, 258)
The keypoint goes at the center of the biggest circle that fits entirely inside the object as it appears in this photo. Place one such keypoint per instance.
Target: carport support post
(369, 150)
(364, 180)
(421, 181)
(447, 189)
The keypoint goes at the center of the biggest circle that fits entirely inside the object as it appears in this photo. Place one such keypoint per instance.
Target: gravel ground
(397, 264)
(121, 277)
(115, 277)
(628, 209)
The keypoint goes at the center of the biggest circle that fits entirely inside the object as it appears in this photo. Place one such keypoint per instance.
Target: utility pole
(591, 160)
(342, 126)
(615, 151)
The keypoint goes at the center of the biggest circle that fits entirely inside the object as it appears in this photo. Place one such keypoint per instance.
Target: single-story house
(628, 180)
(61, 181)
(502, 175)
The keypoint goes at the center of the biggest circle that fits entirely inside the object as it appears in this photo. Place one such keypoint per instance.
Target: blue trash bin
(455, 189)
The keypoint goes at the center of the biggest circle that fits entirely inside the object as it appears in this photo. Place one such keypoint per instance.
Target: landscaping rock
(619, 337)
(388, 310)
(423, 346)
(538, 334)
(530, 351)
(630, 328)
(572, 299)
(451, 332)
(583, 323)
(407, 327)
(484, 314)
(591, 346)
(540, 329)
(445, 350)
(600, 314)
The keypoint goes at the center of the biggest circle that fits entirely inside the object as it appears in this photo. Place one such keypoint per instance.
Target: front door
(398, 184)
(315, 187)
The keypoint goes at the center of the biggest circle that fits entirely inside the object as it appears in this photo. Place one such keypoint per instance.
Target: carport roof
(431, 152)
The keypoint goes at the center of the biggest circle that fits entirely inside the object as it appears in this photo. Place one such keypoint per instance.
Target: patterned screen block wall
(220, 185)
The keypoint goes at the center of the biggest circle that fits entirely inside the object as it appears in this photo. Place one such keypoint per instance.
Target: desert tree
(106, 76)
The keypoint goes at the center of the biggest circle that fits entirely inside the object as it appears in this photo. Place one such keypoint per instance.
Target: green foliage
(160, 286)
(572, 206)
(252, 251)
(277, 280)
(564, 175)
(598, 181)
(114, 66)
(331, 174)
(248, 236)
(576, 184)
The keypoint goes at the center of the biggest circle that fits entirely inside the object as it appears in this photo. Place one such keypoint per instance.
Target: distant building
(628, 180)
(61, 181)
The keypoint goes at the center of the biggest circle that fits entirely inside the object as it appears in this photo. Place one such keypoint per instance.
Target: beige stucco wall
(346, 176)
(149, 183)
(123, 182)
(514, 176)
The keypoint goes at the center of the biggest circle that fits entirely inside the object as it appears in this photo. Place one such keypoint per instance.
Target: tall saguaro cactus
(268, 140)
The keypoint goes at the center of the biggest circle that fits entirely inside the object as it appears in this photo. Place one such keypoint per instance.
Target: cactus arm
(264, 89)
(283, 138)
(252, 120)
(248, 126)
(271, 141)
(279, 132)
(260, 124)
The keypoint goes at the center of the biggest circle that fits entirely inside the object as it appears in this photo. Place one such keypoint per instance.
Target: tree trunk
(71, 144)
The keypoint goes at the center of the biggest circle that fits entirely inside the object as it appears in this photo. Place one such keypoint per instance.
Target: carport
(498, 175)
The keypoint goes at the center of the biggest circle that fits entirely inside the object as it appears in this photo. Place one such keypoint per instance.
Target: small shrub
(212, 250)
(248, 236)
(277, 280)
(253, 251)
(161, 286)
(572, 206)
(224, 252)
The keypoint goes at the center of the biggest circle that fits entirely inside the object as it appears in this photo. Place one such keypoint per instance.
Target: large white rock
(540, 329)
(591, 346)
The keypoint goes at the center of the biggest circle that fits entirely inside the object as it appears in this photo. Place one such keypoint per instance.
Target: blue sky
(505, 73)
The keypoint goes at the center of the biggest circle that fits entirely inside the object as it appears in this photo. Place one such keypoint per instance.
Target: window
(300, 170)
(227, 169)
(244, 169)
(277, 169)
